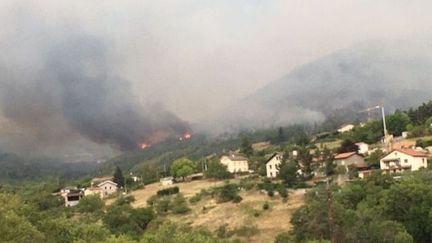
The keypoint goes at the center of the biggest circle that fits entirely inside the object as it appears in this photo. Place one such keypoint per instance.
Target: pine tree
(118, 177)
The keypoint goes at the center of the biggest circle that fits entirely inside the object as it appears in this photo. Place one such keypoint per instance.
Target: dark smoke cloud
(76, 86)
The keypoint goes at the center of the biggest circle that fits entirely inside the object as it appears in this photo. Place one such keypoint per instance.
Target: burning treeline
(71, 88)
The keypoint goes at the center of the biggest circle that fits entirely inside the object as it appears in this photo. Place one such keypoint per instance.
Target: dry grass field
(249, 212)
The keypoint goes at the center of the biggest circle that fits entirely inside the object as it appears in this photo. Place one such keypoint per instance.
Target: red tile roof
(345, 155)
(412, 152)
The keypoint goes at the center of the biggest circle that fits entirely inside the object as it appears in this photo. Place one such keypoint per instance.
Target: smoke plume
(75, 90)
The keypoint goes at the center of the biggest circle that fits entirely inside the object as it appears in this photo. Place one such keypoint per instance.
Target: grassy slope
(270, 223)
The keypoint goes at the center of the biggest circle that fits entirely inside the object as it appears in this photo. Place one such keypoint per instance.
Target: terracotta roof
(412, 152)
(94, 189)
(345, 155)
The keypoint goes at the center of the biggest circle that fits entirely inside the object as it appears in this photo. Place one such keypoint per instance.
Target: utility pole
(384, 122)
(330, 212)
(368, 110)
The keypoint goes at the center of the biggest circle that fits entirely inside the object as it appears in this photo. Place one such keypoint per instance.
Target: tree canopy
(118, 177)
(182, 168)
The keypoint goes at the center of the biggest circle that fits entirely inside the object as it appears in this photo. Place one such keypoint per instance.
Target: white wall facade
(108, 187)
(397, 161)
(272, 166)
(346, 128)
(234, 166)
(363, 148)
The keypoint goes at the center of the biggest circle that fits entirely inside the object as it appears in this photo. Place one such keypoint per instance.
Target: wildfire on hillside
(144, 146)
(185, 136)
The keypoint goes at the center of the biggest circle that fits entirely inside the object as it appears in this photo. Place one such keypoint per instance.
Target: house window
(277, 172)
(271, 174)
(270, 166)
(406, 161)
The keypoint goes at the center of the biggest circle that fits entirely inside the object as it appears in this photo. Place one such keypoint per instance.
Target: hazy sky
(198, 56)
(191, 57)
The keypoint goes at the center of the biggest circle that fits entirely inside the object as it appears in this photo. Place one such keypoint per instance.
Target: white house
(167, 181)
(72, 198)
(272, 165)
(363, 148)
(108, 187)
(346, 128)
(401, 160)
(235, 163)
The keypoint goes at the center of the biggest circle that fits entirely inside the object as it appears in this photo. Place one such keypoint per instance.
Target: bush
(195, 198)
(302, 185)
(223, 232)
(282, 191)
(179, 205)
(90, 204)
(168, 191)
(163, 205)
(125, 200)
(266, 206)
(227, 193)
(217, 170)
(246, 184)
(270, 193)
(246, 231)
(284, 238)
(152, 200)
(237, 199)
(123, 219)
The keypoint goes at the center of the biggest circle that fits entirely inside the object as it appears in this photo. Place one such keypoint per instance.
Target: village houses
(272, 165)
(235, 162)
(400, 160)
(363, 148)
(108, 187)
(350, 158)
(71, 196)
(345, 128)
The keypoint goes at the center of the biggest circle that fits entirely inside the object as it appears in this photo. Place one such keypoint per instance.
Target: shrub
(163, 205)
(90, 204)
(179, 205)
(152, 200)
(195, 198)
(246, 231)
(246, 184)
(282, 191)
(266, 206)
(123, 219)
(284, 238)
(270, 193)
(223, 231)
(217, 170)
(168, 191)
(237, 199)
(125, 200)
(227, 193)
